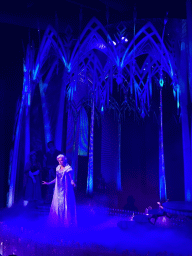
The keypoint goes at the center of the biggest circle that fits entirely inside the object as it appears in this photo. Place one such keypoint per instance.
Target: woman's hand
(36, 173)
(73, 183)
(45, 183)
(32, 177)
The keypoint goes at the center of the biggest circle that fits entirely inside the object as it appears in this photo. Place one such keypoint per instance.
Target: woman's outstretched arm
(72, 181)
(48, 183)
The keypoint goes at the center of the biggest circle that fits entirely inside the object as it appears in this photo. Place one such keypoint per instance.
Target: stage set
(117, 102)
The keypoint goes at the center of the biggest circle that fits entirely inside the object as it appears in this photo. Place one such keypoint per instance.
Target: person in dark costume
(32, 180)
(50, 164)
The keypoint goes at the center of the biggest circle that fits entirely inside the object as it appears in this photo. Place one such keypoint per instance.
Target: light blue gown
(63, 207)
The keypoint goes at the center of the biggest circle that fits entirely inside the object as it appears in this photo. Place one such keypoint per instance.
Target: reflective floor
(24, 232)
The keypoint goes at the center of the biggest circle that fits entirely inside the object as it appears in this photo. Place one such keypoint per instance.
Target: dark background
(19, 24)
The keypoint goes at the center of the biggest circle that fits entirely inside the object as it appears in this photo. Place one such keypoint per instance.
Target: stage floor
(24, 232)
(178, 208)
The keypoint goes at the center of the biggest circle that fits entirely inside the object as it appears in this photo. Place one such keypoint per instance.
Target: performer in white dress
(63, 207)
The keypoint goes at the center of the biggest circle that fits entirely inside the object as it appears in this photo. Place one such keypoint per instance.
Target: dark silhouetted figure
(130, 204)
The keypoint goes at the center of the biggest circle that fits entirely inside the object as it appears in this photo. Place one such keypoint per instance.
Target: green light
(161, 82)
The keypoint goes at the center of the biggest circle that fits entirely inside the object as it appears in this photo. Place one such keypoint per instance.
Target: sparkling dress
(63, 207)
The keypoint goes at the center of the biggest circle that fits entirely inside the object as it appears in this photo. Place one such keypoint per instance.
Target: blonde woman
(63, 207)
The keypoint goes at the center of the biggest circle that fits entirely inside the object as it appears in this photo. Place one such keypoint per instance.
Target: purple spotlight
(126, 40)
(114, 42)
(122, 38)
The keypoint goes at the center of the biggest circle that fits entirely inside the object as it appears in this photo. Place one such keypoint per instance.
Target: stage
(178, 208)
(100, 231)
(115, 102)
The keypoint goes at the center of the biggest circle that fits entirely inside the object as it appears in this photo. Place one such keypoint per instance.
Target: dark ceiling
(38, 14)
